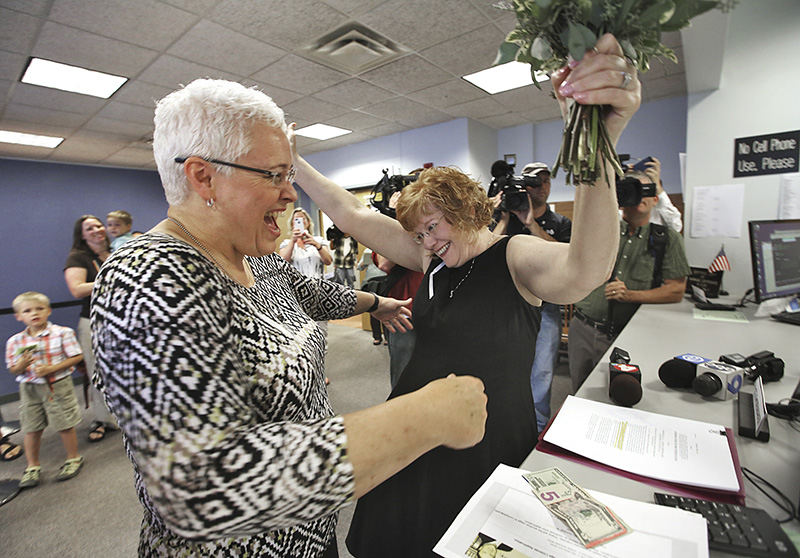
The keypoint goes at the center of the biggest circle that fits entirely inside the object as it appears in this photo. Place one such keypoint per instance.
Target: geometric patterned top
(220, 395)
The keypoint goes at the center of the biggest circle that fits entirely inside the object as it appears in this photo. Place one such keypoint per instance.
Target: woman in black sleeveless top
(475, 312)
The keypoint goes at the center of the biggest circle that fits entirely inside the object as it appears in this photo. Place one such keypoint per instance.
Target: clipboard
(723, 496)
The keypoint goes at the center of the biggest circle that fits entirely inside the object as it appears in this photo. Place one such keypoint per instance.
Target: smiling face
(249, 203)
(443, 239)
(93, 232)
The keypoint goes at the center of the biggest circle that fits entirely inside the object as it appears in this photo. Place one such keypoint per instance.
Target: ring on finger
(626, 79)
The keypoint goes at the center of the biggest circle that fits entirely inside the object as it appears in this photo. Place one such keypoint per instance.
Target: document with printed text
(658, 446)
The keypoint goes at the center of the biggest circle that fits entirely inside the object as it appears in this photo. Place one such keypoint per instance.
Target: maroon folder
(678, 488)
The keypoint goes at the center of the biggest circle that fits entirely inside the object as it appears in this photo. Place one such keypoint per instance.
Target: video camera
(515, 197)
(382, 191)
(630, 191)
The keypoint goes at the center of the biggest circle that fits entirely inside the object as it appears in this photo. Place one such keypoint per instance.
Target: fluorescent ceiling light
(322, 131)
(29, 139)
(71, 78)
(505, 77)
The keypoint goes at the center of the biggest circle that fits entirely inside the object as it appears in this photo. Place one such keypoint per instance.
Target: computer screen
(775, 255)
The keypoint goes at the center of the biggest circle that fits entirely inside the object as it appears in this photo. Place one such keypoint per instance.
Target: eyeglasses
(419, 238)
(277, 178)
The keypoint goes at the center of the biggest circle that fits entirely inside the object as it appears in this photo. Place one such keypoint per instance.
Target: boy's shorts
(38, 406)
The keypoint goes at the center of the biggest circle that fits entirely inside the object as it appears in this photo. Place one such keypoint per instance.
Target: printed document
(505, 519)
(649, 444)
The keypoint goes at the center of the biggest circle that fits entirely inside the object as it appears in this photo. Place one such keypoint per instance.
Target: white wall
(758, 95)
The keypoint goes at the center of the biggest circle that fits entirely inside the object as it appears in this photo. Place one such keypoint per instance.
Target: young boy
(118, 225)
(43, 357)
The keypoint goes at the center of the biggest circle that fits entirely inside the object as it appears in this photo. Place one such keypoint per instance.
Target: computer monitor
(775, 255)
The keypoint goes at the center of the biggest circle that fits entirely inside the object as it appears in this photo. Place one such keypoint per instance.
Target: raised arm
(379, 232)
(563, 273)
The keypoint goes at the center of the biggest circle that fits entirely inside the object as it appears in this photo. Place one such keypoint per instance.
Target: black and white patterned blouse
(219, 392)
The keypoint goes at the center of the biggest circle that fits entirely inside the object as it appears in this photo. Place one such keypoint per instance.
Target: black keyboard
(788, 317)
(736, 529)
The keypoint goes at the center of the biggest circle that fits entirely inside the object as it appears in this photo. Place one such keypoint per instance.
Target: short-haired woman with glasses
(209, 356)
(474, 312)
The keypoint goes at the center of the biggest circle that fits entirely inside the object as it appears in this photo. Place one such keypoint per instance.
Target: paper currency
(592, 522)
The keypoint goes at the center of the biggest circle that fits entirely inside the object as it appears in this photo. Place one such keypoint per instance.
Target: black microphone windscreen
(501, 168)
(625, 390)
(677, 373)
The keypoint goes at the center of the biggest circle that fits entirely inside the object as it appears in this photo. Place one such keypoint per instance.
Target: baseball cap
(532, 169)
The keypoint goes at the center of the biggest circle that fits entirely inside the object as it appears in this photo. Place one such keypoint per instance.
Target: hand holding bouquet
(552, 34)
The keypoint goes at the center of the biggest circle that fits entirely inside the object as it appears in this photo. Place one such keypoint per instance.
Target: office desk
(657, 333)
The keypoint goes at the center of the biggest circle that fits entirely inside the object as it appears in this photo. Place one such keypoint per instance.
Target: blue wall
(39, 203)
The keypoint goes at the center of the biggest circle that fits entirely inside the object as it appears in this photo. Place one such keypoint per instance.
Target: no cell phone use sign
(769, 154)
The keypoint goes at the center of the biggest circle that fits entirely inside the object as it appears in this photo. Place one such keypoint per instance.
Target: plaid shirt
(54, 344)
(340, 259)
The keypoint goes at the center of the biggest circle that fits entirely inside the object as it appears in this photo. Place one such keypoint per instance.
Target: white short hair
(207, 118)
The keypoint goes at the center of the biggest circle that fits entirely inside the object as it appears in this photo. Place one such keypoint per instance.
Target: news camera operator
(664, 213)
(536, 218)
(651, 268)
(401, 283)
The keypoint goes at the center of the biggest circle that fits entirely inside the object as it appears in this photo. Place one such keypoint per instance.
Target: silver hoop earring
(210, 203)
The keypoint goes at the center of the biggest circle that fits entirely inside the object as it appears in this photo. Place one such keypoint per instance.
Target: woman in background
(90, 248)
(306, 252)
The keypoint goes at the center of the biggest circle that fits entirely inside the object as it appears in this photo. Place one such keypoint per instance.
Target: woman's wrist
(375, 303)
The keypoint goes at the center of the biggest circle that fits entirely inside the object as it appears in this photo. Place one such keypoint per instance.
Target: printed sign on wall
(769, 154)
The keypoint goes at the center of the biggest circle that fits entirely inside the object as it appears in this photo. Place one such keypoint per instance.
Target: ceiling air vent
(353, 49)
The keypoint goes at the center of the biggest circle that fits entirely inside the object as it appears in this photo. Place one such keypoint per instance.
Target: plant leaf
(541, 49)
(579, 39)
(506, 53)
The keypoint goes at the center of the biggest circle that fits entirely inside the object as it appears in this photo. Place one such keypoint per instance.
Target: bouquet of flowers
(549, 32)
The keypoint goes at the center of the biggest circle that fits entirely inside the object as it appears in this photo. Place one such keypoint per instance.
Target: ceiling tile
(664, 87)
(130, 130)
(213, 45)
(147, 23)
(355, 120)
(289, 25)
(132, 157)
(353, 7)
(46, 129)
(173, 72)
(24, 151)
(195, 6)
(407, 74)
(406, 112)
(354, 93)
(87, 147)
(418, 24)
(279, 95)
(141, 93)
(45, 97)
(12, 64)
(32, 7)
(127, 112)
(42, 115)
(524, 98)
(501, 121)
(479, 108)
(91, 51)
(482, 44)
(446, 94)
(17, 31)
(298, 74)
(308, 110)
(385, 129)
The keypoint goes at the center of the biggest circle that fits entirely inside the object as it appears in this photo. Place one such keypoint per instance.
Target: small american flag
(720, 263)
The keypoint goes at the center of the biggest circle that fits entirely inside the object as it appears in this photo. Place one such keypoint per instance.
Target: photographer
(664, 213)
(651, 268)
(539, 220)
(345, 254)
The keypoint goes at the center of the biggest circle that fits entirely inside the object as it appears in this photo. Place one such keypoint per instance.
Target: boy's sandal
(30, 477)
(7, 449)
(97, 431)
(70, 468)
(376, 341)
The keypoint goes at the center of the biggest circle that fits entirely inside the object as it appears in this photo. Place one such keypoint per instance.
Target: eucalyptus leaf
(581, 39)
(541, 49)
(544, 4)
(506, 53)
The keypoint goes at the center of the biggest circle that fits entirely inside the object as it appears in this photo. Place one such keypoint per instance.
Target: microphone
(680, 371)
(718, 379)
(624, 383)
